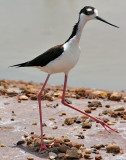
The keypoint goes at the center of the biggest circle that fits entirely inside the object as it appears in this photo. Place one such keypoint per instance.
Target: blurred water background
(30, 27)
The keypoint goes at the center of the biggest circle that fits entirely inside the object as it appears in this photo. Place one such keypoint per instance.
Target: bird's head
(90, 13)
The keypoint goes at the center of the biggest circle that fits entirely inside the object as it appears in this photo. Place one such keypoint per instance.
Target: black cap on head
(87, 10)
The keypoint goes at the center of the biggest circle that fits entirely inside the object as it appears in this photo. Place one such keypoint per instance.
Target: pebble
(99, 146)
(78, 120)
(55, 127)
(87, 155)
(115, 96)
(37, 142)
(111, 123)
(52, 155)
(23, 97)
(124, 99)
(120, 108)
(98, 157)
(68, 101)
(61, 155)
(84, 117)
(107, 106)
(73, 152)
(87, 110)
(88, 151)
(34, 123)
(124, 117)
(30, 158)
(48, 104)
(63, 148)
(11, 93)
(66, 139)
(20, 142)
(86, 125)
(51, 119)
(2, 145)
(94, 104)
(113, 148)
(100, 94)
(70, 120)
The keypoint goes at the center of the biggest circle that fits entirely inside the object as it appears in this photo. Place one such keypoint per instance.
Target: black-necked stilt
(62, 58)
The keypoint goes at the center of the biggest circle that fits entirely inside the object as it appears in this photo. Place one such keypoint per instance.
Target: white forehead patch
(89, 9)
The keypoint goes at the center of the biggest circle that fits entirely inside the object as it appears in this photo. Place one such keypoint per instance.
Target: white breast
(67, 60)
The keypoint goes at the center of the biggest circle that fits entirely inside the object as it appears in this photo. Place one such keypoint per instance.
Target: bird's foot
(106, 126)
(43, 147)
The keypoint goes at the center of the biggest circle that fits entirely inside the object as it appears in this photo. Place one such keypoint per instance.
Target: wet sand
(18, 116)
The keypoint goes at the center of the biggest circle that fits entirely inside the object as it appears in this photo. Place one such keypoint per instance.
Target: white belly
(66, 61)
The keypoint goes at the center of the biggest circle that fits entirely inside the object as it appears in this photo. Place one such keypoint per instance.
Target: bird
(61, 59)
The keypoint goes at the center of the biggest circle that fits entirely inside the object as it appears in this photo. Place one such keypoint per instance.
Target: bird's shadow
(43, 154)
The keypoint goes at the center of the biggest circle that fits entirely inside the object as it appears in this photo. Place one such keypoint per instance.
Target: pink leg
(43, 146)
(97, 120)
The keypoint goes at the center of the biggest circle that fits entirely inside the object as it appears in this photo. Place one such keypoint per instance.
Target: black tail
(21, 65)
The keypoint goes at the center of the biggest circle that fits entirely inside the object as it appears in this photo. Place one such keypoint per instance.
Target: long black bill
(97, 17)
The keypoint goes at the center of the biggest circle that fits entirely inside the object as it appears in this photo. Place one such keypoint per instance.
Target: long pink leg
(97, 120)
(43, 146)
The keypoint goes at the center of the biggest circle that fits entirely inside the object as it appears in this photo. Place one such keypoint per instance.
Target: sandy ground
(26, 113)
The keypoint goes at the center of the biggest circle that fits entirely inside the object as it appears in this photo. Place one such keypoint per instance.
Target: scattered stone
(100, 94)
(124, 99)
(12, 119)
(84, 118)
(66, 139)
(37, 142)
(70, 120)
(20, 142)
(11, 93)
(99, 146)
(115, 96)
(80, 136)
(94, 104)
(63, 148)
(68, 101)
(34, 97)
(98, 157)
(2, 145)
(78, 120)
(120, 108)
(52, 155)
(61, 155)
(34, 123)
(55, 127)
(87, 155)
(113, 148)
(88, 151)
(73, 152)
(51, 119)
(87, 110)
(23, 97)
(6, 103)
(124, 117)
(30, 158)
(107, 106)
(48, 104)
(86, 125)
(111, 123)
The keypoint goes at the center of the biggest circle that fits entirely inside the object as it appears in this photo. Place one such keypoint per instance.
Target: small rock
(119, 109)
(12, 119)
(84, 117)
(48, 104)
(34, 123)
(63, 148)
(37, 142)
(111, 123)
(124, 99)
(30, 158)
(68, 101)
(115, 96)
(94, 104)
(78, 120)
(20, 142)
(51, 119)
(52, 155)
(70, 120)
(113, 148)
(107, 106)
(66, 139)
(61, 155)
(86, 155)
(99, 146)
(124, 117)
(77, 145)
(23, 97)
(98, 157)
(73, 152)
(88, 151)
(87, 110)
(100, 94)
(86, 125)
(2, 145)
(11, 93)
(55, 127)
(33, 97)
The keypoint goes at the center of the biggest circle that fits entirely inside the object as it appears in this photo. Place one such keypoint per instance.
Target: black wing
(43, 59)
